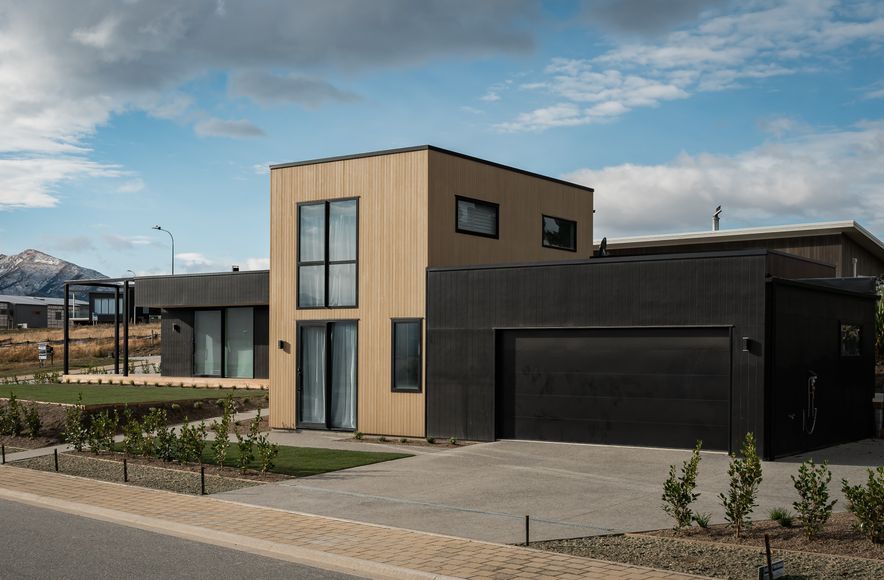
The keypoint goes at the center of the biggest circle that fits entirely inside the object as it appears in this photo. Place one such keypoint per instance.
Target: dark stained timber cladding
(204, 290)
(177, 343)
(465, 306)
(262, 337)
(806, 338)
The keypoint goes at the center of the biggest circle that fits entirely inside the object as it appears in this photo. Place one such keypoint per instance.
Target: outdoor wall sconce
(746, 342)
(176, 327)
(281, 345)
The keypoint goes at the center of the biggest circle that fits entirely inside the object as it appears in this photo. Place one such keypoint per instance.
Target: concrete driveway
(483, 491)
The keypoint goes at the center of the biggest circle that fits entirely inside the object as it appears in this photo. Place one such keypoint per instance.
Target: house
(34, 311)
(351, 239)
(846, 245)
(101, 308)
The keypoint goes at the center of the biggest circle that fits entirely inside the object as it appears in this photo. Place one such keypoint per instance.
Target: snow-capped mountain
(33, 273)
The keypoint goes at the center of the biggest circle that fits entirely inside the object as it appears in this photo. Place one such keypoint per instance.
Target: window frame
(543, 238)
(420, 355)
(496, 206)
(325, 263)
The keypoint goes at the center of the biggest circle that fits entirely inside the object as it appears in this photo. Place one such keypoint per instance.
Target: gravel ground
(141, 475)
(713, 560)
(10, 449)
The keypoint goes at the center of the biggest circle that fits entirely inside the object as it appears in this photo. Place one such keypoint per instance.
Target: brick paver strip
(364, 548)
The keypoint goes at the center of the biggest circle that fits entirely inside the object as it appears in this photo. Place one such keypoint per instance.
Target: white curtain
(313, 374)
(239, 343)
(207, 343)
(343, 372)
(311, 286)
(311, 231)
(342, 231)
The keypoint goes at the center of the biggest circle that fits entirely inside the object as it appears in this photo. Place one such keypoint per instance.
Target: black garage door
(664, 387)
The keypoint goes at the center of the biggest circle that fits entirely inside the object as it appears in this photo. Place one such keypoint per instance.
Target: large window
(559, 233)
(407, 355)
(106, 305)
(327, 250)
(476, 217)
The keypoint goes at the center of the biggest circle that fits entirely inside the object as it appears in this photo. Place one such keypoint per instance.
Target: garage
(663, 386)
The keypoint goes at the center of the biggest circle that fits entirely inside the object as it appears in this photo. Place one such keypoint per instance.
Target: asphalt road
(44, 544)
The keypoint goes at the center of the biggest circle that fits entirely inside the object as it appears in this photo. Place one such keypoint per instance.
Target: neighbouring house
(101, 308)
(35, 311)
(213, 325)
(351, 239)
(846, 245)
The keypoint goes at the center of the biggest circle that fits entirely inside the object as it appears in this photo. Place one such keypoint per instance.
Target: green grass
(307, 461)
(109, 394)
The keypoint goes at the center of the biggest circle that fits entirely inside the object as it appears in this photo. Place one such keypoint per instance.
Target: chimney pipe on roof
(235, 269)
(716, 218)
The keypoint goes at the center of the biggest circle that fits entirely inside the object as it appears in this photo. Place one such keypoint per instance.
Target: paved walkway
(364, 549)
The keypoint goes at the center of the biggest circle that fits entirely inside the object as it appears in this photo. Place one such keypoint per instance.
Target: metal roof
(37, 300)
(850, 228)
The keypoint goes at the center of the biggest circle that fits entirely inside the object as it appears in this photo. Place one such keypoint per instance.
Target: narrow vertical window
(407, 364)
(559, 233)
(327, 254)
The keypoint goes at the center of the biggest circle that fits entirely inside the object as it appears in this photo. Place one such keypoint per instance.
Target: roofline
(200, 274)
(617, 259)
(429, 148)
(852, 229)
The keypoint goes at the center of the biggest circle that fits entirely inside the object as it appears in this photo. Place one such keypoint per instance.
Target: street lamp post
(173, 245)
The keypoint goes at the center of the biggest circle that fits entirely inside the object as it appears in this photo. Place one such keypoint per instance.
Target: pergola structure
(117, 284)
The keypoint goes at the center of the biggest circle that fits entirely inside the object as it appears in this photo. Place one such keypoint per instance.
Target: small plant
(33, 421)
(866, 503)
(266, 452)
(358, 435)
(75, 430)
(154, 422)
(745, 477)
(431, 440)
(813, 505)
(166, 444)
(678, 490)
(782, 516)
(246, 453)
(221, 430)
(133, 434)
(403, 440)
(175, 407)
(702, 519)
(192, 442)
(10, 417)
(382, 439)
(102, 428)
(452, 441)
(197, 404)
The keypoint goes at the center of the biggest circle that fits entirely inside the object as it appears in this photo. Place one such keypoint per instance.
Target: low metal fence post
(202, 479)
(3, 453)
(55, 456)
(125, 471)
(527, 529)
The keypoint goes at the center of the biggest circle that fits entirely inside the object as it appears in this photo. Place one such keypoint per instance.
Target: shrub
(813, 505)
(702, 519)
(267, 452)
(745, 477)
(155, 421)
(33, 421)
(102, 428)
(382, 439)
(133, 434)
(165, 443)
(431, 440)
(75, 431)
(403, 440)
(192, 442)
(10, 417)
(246, 453)
(678, 490)
(221, 430)
(452, 441)
(866, 503)
(358, 435)
(782, 516)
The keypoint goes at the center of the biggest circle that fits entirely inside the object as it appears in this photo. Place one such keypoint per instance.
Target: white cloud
(28, 182)
(128, 243)
(257, 264)
(131, 186)
(815, 177)
(757, 40)
(236, 129)
(268, 88)
(490, 97)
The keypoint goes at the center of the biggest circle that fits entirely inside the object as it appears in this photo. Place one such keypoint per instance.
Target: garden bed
(714, 559)
(408, 441)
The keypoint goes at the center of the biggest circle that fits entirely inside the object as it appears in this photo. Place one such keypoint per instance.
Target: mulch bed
(410, 442)
(149, 472)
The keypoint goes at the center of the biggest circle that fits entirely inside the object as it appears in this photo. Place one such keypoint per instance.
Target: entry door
(327, 375)
(207, 343)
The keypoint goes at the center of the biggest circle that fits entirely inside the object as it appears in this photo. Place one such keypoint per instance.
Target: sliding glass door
(239, 343)
(327, 375)
(207, 343)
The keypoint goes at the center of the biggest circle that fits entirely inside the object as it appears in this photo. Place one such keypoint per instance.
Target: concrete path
(328, 543)
(484, 491)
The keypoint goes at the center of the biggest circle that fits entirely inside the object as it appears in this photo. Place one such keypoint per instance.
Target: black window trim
(552, 247)
(420, 354)
(299, 377)
(325, 262)
(496, 206)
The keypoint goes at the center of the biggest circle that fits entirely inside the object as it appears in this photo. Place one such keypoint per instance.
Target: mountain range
(34, 273)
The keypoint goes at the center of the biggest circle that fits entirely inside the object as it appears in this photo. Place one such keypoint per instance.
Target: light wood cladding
(523, 200)
(406, 223)
(392, 192)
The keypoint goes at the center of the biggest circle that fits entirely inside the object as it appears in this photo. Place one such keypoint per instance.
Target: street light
(173, 245)
(132, 272)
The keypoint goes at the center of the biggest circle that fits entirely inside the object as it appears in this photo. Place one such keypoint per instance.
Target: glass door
(327, 375)
(207, 343)
(239, 343)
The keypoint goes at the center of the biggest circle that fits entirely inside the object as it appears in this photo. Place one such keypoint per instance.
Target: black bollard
(125, 471)
(55, 455)
(3, 454)
(202, 480)
(527, 529)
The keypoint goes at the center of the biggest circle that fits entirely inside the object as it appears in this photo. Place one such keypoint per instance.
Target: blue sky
(116, 115)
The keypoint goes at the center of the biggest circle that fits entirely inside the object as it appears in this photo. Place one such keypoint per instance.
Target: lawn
(306, 461)
(110, 394)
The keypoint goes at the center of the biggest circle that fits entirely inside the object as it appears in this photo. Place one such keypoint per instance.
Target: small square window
(851, 340)
(559, 233)
(476, 217)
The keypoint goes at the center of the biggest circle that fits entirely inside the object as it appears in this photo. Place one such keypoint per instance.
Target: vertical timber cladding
(466, 306)
(392, 192)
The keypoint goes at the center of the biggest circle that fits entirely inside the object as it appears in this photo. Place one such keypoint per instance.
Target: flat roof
(37, 300)
(850, 228)
(430, 148)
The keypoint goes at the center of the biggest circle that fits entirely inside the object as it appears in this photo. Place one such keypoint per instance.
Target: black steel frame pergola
(116, 284)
